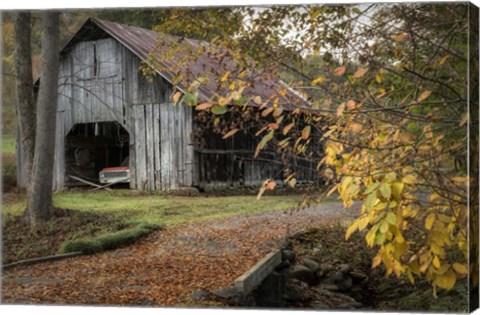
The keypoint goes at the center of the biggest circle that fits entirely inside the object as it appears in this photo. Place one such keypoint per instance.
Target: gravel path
(164, 268)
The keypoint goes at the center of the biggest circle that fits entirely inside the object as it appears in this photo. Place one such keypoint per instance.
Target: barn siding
(101, 81)
(162, 151)
(229, 162)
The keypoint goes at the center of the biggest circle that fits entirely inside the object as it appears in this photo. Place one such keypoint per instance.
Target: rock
(342, 281)
(358, 277)
(350, 305)
(283, 264)
(302, 273)
(200, 294)
(295, 291)
(326, 268)
(311, 264)
(227, 292)
(295, 297)
(358, 274)
(333, 279)
(319, 306)
(357, 292)
(329, 287)
(319, 274)
(345, 284)
(317, 251)
(345, 268)
(288, 255)
(314, 258)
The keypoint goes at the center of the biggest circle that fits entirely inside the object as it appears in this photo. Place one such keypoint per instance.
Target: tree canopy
(390, 94)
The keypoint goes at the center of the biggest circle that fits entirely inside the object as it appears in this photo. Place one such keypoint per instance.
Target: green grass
(95, 221)
(9, 162)
(160, 208)
(9, 144)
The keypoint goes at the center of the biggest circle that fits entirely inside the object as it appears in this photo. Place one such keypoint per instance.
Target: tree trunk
(40, 190)
(24, 92)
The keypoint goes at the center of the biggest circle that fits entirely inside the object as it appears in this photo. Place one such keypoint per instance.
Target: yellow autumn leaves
(390, 208)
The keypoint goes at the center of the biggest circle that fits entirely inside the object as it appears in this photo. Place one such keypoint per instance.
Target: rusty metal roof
(206, 65)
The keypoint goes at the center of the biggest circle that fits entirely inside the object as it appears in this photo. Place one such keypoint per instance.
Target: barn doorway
(91, 147)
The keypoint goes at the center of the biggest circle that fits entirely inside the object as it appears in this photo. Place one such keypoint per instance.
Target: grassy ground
(92, 214)
(8, 144)
(133, 207)
(9, 167)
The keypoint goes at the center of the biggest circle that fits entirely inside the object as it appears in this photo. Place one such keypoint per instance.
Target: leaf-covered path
(167, 266)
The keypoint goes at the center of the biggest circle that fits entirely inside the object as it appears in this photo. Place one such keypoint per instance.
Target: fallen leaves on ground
(164, 268)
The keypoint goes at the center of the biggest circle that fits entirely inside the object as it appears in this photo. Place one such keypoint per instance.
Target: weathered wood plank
(70, 108)
(140, 148)
(163, 147)
(156, 146)
(173, 134)
(180, 149)
(86, 182)
(255, 275)
(149, 143)
(131, 153)
(125, 77)
(189, 164)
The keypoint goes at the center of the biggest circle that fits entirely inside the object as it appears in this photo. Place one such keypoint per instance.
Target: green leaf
(219, 110)
(384, 227)
(190, 99)
(385, 190)
(391, 218)
(371, 188)
(263, 142)
(370, 202)
(356, 10)
(379, 238)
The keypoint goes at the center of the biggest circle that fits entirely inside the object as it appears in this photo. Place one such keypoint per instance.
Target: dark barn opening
(91, 147)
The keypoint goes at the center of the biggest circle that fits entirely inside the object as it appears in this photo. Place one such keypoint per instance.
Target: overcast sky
(31, 4)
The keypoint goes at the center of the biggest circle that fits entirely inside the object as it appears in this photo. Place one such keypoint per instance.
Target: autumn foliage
(388, 122)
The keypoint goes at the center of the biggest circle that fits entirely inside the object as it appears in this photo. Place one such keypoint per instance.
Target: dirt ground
(167, 266)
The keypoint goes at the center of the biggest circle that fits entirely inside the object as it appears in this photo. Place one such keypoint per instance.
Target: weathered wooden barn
(109, 113)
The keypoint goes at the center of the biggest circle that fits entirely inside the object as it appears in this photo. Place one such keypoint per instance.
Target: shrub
(110, 240)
